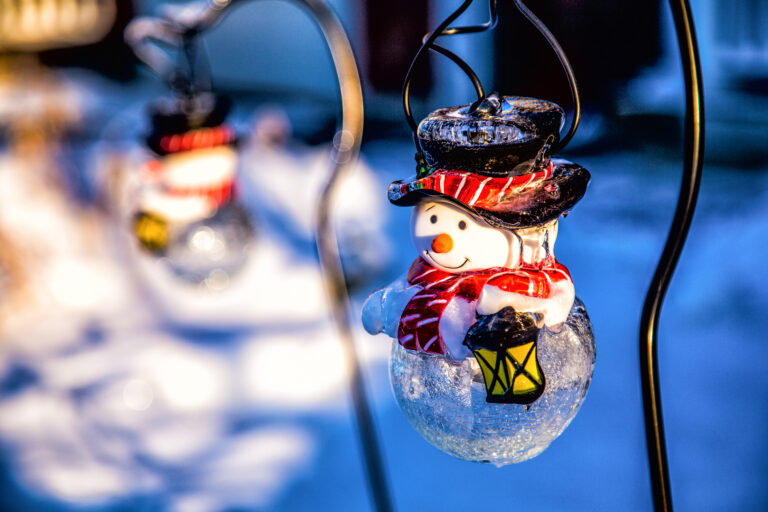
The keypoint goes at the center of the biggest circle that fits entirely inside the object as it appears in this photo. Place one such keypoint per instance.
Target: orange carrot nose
(442, 243)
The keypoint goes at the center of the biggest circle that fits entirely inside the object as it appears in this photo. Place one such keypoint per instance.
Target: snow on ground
(211, 402)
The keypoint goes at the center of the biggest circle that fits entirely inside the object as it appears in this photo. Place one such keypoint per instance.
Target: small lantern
(505, 348)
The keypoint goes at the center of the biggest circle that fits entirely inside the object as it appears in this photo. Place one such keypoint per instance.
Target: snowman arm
(382, 309)
(554, 308)
(373, 317)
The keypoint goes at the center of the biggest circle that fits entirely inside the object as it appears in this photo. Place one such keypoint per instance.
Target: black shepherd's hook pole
(143, 36)
(346, 149)
(686, 204)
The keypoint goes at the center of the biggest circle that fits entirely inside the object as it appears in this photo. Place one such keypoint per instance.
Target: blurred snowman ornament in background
(493, 352)
(187, 211)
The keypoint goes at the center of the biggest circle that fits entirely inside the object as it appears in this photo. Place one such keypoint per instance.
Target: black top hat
(491, 136)
(490, 157)
(178, 116)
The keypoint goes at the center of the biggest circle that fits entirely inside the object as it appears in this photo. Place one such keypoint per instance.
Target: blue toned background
(110, 403)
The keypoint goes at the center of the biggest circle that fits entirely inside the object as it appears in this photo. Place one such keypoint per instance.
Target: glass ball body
(445, 400)
(211, 250)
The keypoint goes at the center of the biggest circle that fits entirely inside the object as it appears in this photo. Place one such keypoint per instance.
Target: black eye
(433, 219)
(462, 224)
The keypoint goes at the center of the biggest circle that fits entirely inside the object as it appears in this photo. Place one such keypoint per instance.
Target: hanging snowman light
(492, 352)
(186, 209)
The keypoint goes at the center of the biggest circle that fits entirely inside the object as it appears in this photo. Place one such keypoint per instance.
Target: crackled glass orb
(493, 352)
(445, 400)
(212, 250)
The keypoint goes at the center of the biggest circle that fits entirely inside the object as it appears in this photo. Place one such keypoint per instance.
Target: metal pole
(143, 34)
(345, 151)
(689, 191)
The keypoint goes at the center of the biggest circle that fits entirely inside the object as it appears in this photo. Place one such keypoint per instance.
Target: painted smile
(426, 253)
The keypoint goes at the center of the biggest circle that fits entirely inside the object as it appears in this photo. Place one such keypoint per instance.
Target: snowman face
(452, 239)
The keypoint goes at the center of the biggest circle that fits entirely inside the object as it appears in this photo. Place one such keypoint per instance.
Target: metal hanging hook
(145, 36)
(444, 29)
(428, 43)
(565, 63)
(678, 232)
(152, 38)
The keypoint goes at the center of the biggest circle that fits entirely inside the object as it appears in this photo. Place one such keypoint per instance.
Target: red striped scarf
(419, 323)
(217, 194)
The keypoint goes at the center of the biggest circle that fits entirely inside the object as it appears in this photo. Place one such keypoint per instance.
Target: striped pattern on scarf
(419, 323)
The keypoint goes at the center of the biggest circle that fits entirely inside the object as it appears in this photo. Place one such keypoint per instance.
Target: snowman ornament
(492, 353)
(186, 208)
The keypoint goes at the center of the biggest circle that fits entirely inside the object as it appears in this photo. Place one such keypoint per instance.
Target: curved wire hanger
(444, 29)
(151, 39)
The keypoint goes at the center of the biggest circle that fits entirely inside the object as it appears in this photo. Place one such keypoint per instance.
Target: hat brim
(531, 205)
